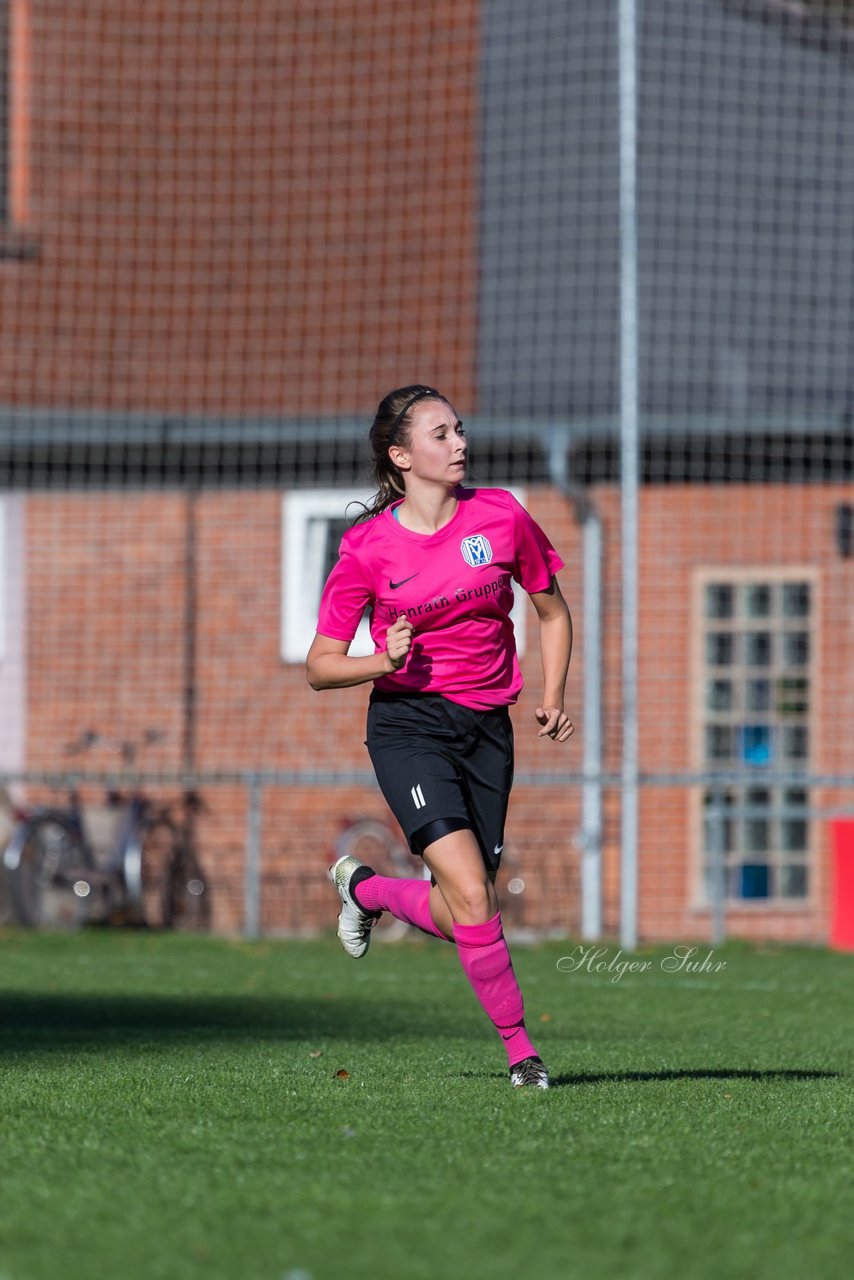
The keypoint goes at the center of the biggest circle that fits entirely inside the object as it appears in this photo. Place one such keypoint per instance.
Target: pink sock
(408, 900)
(486, 960)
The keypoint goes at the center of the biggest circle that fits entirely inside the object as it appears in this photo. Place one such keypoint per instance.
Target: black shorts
(442, 767)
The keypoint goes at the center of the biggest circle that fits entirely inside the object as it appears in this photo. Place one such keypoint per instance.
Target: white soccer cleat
(354, 922)
(529, 1072)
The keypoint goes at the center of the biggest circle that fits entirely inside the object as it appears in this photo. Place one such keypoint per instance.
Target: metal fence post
(717, 865)
(629, 412)
(252, 869)
(591, 743)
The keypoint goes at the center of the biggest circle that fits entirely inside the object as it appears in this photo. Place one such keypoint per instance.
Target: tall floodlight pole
(627, 23)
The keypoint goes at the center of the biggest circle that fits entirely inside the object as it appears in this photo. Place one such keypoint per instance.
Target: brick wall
(238, 209)
(684, 529)
(105, 643)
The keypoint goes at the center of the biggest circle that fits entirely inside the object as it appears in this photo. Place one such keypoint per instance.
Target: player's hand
(398, 642)
(555, 723)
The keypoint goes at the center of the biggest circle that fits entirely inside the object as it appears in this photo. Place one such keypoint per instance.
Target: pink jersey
(454, 585)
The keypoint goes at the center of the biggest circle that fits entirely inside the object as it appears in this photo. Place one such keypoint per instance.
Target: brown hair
(391, 426)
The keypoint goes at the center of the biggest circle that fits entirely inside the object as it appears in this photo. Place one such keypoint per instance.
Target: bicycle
(151, 875)
(175, 891)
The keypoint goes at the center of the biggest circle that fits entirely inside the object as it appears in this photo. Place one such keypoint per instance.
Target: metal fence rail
(257, 861)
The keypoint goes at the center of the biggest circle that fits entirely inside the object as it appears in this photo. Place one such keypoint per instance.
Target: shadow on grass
(48, 1023)
(699, 1073)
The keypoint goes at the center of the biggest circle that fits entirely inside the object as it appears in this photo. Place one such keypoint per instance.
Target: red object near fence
(842, 909)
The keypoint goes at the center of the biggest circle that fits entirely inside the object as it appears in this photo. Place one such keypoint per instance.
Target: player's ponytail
(391, 426)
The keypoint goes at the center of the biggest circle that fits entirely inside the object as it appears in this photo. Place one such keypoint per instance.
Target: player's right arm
(329, 666)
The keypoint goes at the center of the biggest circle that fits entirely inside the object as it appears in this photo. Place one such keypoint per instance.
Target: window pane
(334, 530)
(796, 599)
(757, 833)
(757, 600)
(725, 825)
(757, 648)
(796, 648)
(729, 886)
(792, 696)
(793, 835)
(793, 881)
(756, 745)
(720, 649)
(754, 880)
(711, 837)
(719, 600)
(794, 827)
(719, 742)
(795, 742)
(719, 695)
(758, 695)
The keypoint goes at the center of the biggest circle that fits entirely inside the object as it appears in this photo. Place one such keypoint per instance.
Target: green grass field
(172, 1107)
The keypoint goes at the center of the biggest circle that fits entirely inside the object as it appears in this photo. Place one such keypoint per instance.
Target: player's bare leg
(468, 891)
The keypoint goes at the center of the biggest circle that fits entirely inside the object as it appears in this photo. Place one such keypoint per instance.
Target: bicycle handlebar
(124, 746)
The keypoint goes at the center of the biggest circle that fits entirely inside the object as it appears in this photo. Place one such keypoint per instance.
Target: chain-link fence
(617, 236)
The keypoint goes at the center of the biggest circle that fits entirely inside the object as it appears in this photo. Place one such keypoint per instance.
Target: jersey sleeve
(344, 597)
(536, 561)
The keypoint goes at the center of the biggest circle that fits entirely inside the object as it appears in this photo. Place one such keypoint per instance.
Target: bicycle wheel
(146, 872)
(373, 841)
(48, 870)
(188, 899)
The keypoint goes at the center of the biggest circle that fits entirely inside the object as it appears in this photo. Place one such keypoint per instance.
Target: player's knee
(476, 900)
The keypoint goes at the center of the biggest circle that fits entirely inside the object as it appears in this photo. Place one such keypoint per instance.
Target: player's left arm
(555, 650)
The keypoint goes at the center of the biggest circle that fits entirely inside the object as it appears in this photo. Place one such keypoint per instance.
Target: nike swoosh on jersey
(395, 585)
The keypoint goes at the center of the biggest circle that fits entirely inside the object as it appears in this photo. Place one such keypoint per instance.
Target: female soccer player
(434, 561)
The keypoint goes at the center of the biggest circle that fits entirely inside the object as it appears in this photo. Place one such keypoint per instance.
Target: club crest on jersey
(476, 550)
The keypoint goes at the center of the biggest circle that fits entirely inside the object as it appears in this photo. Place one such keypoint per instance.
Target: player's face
(437, 446)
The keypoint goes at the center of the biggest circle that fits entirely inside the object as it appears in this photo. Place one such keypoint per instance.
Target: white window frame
(303, 555)
(304, 512)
